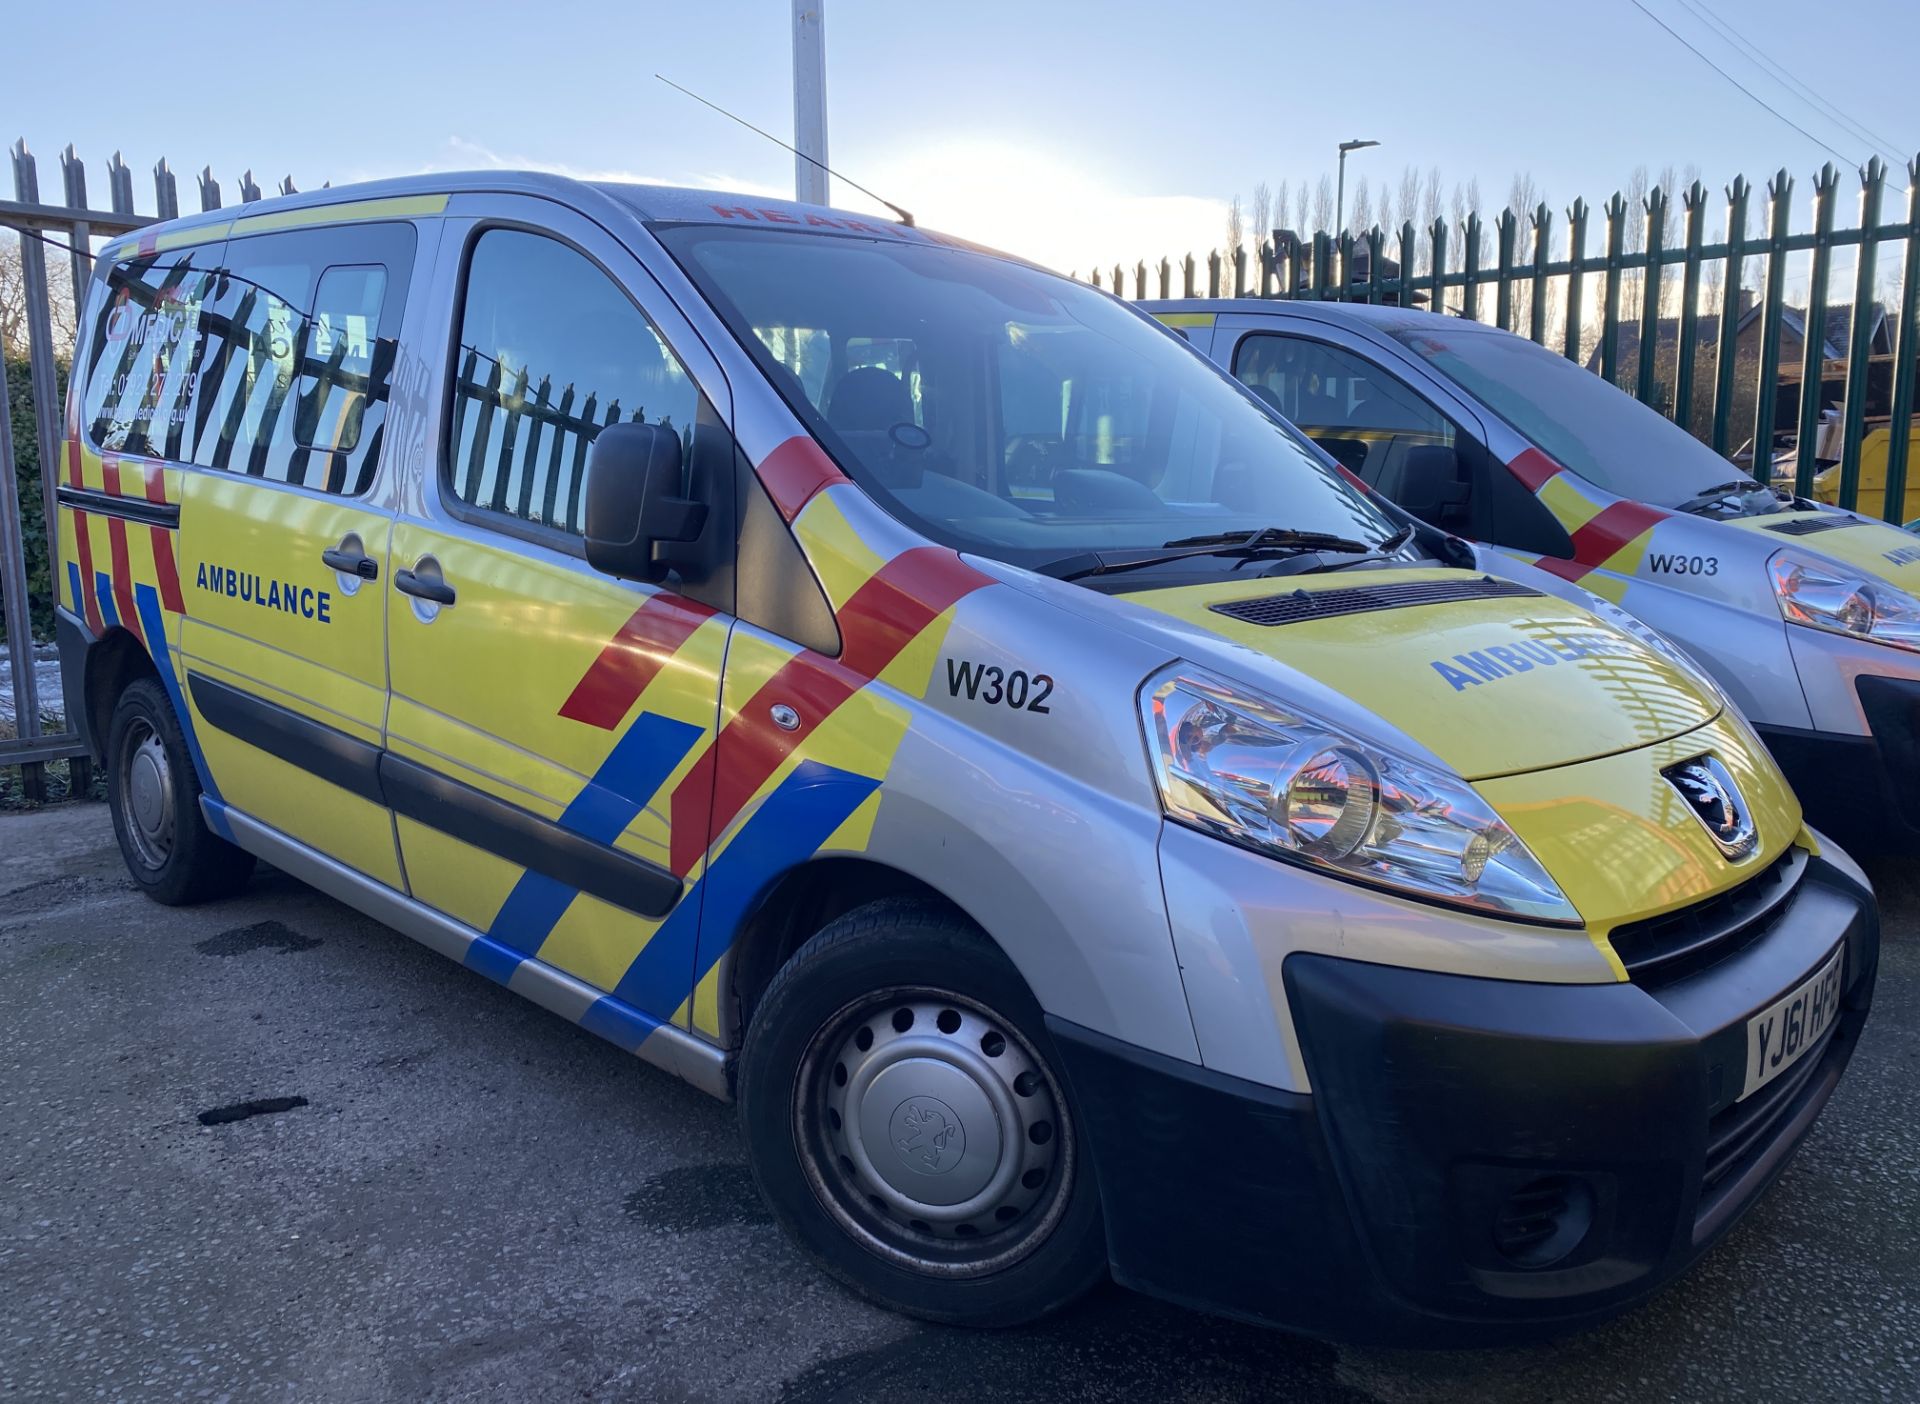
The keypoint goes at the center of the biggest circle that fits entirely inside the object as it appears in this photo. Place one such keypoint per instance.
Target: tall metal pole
(1340, 196)
(810, 101)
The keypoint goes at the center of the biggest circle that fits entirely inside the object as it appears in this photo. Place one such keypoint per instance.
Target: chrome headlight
(1828, 595)
(1244, 768)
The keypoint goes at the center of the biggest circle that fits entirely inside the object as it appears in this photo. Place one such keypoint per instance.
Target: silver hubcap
(146, 789)
(933, 1132)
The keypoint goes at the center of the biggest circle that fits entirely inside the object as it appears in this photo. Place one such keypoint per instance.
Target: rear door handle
(351, 562)
(421, 588)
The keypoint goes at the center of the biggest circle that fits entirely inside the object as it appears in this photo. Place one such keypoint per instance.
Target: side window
(144, 354)
(551, 351)
(299, 355)
(1357, 412)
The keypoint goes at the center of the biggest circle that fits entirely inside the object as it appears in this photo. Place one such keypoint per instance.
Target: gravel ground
(464, 1197)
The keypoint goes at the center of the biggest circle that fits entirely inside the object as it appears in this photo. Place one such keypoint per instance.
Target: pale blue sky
(1068, 132)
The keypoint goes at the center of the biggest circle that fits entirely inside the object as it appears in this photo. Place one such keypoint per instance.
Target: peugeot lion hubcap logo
(1707, 787)
(927, 1135)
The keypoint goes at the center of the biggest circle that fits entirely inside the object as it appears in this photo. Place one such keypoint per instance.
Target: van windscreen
(1006, 410)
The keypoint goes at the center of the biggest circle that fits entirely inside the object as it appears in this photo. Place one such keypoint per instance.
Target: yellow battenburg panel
(1492, 686)
(1185, 319)
(348, 211)
(842, 560)
(1622, 842)
(286, 679)
(472, 881)
(597, 941)
(1570, 507)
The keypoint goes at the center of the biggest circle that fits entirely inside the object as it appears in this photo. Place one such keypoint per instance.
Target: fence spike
(166, 193)
(249, 189)
(119, 185)
(209, 189)
(287, 187)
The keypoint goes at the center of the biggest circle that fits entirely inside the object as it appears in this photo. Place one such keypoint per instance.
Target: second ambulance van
(907, 693)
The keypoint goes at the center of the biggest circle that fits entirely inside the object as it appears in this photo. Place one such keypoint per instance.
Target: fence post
(1097, 276)
(1213, 274)
(1269, 261)
(1470, 290)
(1813, 347)
(1408, 243)
(209, 190)
(1695, 200)
(1166, 278)
(1652, 286)
(1438, 237)
(1577, 252)
(1506, 231)
(1140, 281)
(1616, 212)
(1723, 369)
(1860, 343)
(47, 419)
(249, 191)
(1893, 505)
(119, 185)
(1188, 270)
(1240, 272)
(1119, 281)
(80, 261)
(13, 603)
(1322, 256)
(1376, 245)
(1343, 266)
(1767, 383)
(1542, 249)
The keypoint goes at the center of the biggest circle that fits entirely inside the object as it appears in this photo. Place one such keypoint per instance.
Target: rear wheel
(907, 1126)
(154, 794)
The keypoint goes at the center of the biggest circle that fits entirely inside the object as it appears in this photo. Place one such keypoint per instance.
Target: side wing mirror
(635, 487)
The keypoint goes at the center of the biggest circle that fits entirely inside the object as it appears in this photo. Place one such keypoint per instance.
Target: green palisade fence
(1741, 341)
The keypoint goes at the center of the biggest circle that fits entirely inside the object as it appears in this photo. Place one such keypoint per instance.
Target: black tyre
(154, 793)
(906, 1122)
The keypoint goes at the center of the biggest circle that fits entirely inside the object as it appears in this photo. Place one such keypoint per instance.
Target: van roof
(1383, 319)
(661, 203)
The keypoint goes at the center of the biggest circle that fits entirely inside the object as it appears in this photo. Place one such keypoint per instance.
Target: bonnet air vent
(1272, 611)
(1807, 526)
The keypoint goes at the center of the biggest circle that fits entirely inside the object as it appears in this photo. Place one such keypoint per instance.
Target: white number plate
(1779, 1036)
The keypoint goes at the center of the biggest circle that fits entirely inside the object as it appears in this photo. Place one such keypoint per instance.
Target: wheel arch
(792, 908)
(115, 660)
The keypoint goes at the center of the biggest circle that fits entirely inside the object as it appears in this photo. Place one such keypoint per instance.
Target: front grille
(1809, 525)
(1665, 948)
(1271, 611)
(1742, 1133)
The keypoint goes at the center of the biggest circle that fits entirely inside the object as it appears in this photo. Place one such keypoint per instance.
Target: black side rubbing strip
(132, 509)
(1299, 606)
(339, 759)
(522, 837)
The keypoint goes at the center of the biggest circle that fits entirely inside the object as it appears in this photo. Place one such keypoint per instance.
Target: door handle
(421, 588)
(351, 562)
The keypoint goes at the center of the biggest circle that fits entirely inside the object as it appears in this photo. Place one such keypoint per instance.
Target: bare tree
(1409, 193)
(1362, 208)
(1322, 205)
(13, 301)
(1429, 216)
(1524, 197)
(1236, 232)
(1262, 213)
(1300, 225)
(1386, 217)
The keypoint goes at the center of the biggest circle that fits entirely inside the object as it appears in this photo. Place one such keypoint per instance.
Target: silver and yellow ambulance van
(1805, 614)
(910, 694)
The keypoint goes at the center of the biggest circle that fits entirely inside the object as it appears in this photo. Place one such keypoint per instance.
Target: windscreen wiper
(1385, 551)
(1721, 493)
(1265, 541)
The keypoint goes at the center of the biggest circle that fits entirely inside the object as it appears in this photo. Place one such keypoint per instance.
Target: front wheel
(906, 1124)
(155, 797)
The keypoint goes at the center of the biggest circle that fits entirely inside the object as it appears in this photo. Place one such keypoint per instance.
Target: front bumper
(1368, 1209)
(1865, 790)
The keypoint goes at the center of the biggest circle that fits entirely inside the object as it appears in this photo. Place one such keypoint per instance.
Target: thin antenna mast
(904, 216)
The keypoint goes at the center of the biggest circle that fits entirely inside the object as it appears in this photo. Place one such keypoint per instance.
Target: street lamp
(1340, 200)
